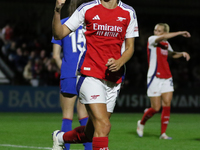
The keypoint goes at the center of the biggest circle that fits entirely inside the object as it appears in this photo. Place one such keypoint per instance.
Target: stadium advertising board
(29, 99)
(184, 101)
(46, 99)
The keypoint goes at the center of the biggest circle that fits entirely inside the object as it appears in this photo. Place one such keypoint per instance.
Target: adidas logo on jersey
(96, 18)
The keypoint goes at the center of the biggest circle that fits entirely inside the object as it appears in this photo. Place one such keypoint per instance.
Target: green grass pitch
(32, 131)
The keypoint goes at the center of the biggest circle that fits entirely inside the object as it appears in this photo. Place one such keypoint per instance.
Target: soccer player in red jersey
(159, 79)
(108, 24)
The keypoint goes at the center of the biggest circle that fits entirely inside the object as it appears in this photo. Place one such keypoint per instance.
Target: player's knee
(156, 108)
(107, 125)
(166, 104)
(103, 127)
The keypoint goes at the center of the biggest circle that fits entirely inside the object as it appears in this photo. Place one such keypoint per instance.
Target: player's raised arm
(59, 30)
(167, 36)
(180, 54)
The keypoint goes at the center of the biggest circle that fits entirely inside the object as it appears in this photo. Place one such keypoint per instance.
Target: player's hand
(186, 56)
(186, 34)
(113, 65)
(59, 5)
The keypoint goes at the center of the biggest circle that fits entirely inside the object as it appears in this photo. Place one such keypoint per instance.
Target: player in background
(108, 24)
(159, 78)
(72, 45)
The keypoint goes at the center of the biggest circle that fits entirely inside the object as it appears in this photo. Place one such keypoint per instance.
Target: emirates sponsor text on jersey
(107, 30)
(164, 52)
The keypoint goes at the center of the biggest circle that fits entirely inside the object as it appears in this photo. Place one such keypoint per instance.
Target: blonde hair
(165, 25)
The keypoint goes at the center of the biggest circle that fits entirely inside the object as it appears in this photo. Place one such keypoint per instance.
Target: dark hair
(74, 4)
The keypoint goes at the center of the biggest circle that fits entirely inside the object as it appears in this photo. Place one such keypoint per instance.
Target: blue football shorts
(68, 85)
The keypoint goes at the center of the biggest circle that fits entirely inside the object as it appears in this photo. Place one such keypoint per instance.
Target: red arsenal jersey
(105, 31)
(157, 58)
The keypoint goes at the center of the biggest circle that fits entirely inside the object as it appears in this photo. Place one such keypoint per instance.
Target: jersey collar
(99, 2)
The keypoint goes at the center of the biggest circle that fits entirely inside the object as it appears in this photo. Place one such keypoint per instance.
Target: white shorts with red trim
(92, 90)
(157, 86)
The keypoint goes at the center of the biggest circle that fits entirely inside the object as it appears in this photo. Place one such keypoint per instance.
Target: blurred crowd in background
(29, 55)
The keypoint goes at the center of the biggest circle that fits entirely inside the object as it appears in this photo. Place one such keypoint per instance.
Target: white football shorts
(157, 86)
(92, 90)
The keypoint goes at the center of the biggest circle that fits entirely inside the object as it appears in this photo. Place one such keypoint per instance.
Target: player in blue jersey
(71, 45)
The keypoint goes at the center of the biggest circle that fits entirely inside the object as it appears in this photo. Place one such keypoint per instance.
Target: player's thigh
(100, 118)
(97, 111)
(68, 96)
(68, 92)
(156, 102)
(81, 110)
(93, 94)
(167, 91)
(67, 105)
(167, 98)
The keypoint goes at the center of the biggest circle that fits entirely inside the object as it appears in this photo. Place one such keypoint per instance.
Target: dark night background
(31, 24)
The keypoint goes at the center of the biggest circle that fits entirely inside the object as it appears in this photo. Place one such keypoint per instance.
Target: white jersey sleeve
(75, 20)
(123, 48)
(152, 40)
(170, 48)
(152, 56)
(132, 30)
(78, 17)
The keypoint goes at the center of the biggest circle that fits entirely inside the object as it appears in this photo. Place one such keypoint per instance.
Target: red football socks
(147, 115)
(165, 118)
(100, 143)
(76, 136)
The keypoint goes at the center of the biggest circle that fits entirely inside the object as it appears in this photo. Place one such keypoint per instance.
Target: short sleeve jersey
(105, 31)
(157, 58)
(72, 45)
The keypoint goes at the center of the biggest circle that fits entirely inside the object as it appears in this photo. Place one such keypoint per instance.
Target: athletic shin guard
(66, 126)
(165, 119)
(147, 115)
(100, 143)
